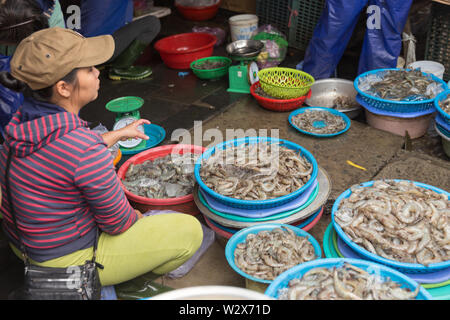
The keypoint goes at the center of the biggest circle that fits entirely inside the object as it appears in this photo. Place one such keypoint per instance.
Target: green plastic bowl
(211, 73)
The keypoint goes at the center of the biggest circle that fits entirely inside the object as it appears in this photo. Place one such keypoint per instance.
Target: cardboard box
(240, 6)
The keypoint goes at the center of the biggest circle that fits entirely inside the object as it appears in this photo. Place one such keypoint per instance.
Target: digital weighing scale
(243, 75)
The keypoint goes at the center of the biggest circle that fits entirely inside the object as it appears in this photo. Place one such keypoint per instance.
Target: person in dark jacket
(62, 180)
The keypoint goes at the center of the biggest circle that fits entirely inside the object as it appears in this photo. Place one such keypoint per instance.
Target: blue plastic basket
(332, 111)
(401, 266)
(442, 125)
(282, 281)
(396, 106)
(241, 235)
(445, 116)
(379, 112)
(255, 204)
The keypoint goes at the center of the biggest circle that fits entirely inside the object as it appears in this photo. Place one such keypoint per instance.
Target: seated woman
(20, 18)
(62, 181)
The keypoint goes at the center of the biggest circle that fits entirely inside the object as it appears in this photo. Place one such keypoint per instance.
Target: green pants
(158, 243)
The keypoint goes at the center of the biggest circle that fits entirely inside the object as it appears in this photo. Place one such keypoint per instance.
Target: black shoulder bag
(44, 283)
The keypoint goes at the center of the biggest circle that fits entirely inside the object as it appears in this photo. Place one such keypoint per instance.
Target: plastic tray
(396, 106)
(402, 266)
(152, 154)
(373, 268)
(442, 130)
(436, 279)
(156, 135)
(268, 218)
(319, 201)
(241, 235)
(328, 249)
(381, 112)
(261, 213)
(305, 225)
(444, 126)
(256, 204)
(332, 111)
(445, 116)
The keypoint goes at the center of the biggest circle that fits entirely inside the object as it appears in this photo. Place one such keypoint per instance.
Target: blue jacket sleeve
(9, 100)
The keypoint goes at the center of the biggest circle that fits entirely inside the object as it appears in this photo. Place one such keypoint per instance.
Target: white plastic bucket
(427, 66)
(242, 26)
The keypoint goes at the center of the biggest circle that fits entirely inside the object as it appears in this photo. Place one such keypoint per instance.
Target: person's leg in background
(383, 41)
(114, 17)
(331, 36)
(131, 41)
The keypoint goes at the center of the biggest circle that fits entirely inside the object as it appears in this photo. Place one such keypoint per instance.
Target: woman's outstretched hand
(130, 131)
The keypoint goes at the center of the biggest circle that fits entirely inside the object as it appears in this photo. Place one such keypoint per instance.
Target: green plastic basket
(285, 83)
(211, 73)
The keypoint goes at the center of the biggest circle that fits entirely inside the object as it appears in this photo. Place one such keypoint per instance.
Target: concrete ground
(382, 154)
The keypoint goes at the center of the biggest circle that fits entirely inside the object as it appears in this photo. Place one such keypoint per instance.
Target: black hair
(19, 19)
(45, 94)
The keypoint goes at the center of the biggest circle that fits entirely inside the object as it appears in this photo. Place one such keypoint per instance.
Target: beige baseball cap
(46, 56)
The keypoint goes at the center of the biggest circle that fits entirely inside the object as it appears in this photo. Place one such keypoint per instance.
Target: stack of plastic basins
(442, 119)
(226, 215)
(435, 277)
(398, 117)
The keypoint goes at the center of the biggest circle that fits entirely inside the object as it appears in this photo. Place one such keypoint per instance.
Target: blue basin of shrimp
(255, 204)
(241, 236)
(320, 124)
(282, 281)
(396, 106)
(401, 266)
(442, 96)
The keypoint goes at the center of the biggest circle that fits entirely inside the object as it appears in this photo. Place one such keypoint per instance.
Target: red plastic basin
(278, 104)
(178, 51)
(198, 13)
(181, 204)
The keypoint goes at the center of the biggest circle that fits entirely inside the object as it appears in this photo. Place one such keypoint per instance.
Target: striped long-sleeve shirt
(63, 185)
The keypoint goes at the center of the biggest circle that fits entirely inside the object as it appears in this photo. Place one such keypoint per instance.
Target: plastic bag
(140, 287)
(410, 44)
(218, 32)
(114, 149)
(275, 46)
(208, 239)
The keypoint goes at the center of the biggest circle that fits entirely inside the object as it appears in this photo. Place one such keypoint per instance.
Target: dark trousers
(143, 30)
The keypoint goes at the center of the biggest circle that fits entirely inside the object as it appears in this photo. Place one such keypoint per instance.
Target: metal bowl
(244, 48)
(325, 91)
